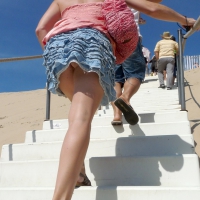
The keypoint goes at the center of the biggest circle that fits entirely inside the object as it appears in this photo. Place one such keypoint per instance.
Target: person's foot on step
(162, 86)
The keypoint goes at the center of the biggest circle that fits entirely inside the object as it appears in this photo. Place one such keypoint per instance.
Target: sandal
(127, 110)
(85, 182)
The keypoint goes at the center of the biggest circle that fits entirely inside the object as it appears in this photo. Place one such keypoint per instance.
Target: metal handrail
(29, 58)
(180, 70)
(181, 73)
(191, 31)
(19, 58)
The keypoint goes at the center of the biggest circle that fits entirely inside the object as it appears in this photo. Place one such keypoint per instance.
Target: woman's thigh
(84, 90)
(66, 82)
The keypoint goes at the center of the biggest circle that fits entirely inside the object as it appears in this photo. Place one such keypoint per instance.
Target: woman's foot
(83, 181)
(117, 120)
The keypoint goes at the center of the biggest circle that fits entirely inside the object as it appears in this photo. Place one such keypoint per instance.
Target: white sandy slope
(24, 111)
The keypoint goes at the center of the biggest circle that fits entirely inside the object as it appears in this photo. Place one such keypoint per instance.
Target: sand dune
(24, 111)
(192, 97)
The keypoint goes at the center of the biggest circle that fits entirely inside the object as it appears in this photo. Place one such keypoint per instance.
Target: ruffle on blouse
(121, 26)
(90, 49)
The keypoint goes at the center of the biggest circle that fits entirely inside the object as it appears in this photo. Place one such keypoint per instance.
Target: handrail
(191, 31)
(180, 70)
(48, 96)
(19, 58)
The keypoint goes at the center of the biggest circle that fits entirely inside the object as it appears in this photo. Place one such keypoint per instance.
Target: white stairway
(152, 160)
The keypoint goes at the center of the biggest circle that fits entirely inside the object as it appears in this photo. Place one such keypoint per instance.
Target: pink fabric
(79, 16)
(121, 26)
(111, 17)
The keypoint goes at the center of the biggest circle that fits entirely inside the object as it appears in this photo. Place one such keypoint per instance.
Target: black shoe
(162, 86)
(129, 114)
(169, 88)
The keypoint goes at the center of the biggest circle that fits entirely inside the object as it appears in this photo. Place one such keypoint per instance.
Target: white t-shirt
(136, 18)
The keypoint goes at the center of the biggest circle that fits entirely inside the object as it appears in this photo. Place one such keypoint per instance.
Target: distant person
(128, 78)
(154, 68)
(164, 51)
(196, 65)
(146, 54)
(175, 64)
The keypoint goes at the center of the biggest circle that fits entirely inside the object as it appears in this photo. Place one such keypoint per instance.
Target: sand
(192, 98)
(26, 111)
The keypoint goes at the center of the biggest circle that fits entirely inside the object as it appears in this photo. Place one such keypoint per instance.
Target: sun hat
(166, 35)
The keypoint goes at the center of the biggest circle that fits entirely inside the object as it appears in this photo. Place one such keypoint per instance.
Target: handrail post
(48, 99)
(178, 78)
(182, 84)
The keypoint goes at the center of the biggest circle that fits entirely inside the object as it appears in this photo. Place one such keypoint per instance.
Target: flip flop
(116, 123)
(86, 181)
(127, 110)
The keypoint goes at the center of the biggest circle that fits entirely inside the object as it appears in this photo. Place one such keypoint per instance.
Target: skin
(85, 92)
(132, 85)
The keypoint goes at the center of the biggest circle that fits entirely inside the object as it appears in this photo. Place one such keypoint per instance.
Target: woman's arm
(158, 11)
(46, 23)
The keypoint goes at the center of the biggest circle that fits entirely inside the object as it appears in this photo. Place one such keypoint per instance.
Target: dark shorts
(154, 69)
(132, 67)
(175, 71)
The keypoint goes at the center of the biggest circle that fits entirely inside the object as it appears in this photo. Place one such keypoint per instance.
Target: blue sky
(17, 38)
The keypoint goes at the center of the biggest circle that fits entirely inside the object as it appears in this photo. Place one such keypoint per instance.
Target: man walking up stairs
(152, 160)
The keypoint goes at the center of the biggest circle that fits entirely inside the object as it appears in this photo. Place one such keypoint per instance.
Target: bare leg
(164, 75)
(131, 86)
(87, 95)
(117, 112)
(66, 78)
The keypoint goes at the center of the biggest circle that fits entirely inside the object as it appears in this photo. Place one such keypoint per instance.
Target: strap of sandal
(86, 181)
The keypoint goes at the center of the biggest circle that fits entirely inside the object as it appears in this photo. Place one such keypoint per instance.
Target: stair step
(104, 132)
(153, 101)
(166, 171)
(146, 109)
(160, 94)
(106, 119)
(152, 160)
(105, 193)
(124, 146)
(148, 104)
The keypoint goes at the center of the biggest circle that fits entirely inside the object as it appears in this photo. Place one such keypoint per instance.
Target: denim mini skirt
(90, 49)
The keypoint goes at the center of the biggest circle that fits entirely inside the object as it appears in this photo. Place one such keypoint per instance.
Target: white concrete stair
(149, 108)
(152, 160)
(109, 171)
(146, 117)
(123, 146)
(105, 193)
(103, 132)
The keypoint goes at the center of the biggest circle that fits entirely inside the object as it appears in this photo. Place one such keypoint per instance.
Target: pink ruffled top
(79, 16)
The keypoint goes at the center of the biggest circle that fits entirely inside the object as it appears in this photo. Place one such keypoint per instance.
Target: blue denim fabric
(90, 49)
(132, 67)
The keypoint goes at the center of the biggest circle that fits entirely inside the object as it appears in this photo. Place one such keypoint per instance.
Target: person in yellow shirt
(164, 52)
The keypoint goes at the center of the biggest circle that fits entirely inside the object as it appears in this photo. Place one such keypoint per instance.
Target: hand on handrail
(189, 23)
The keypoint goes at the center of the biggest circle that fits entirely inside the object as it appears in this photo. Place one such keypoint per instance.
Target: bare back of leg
(86, 96)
